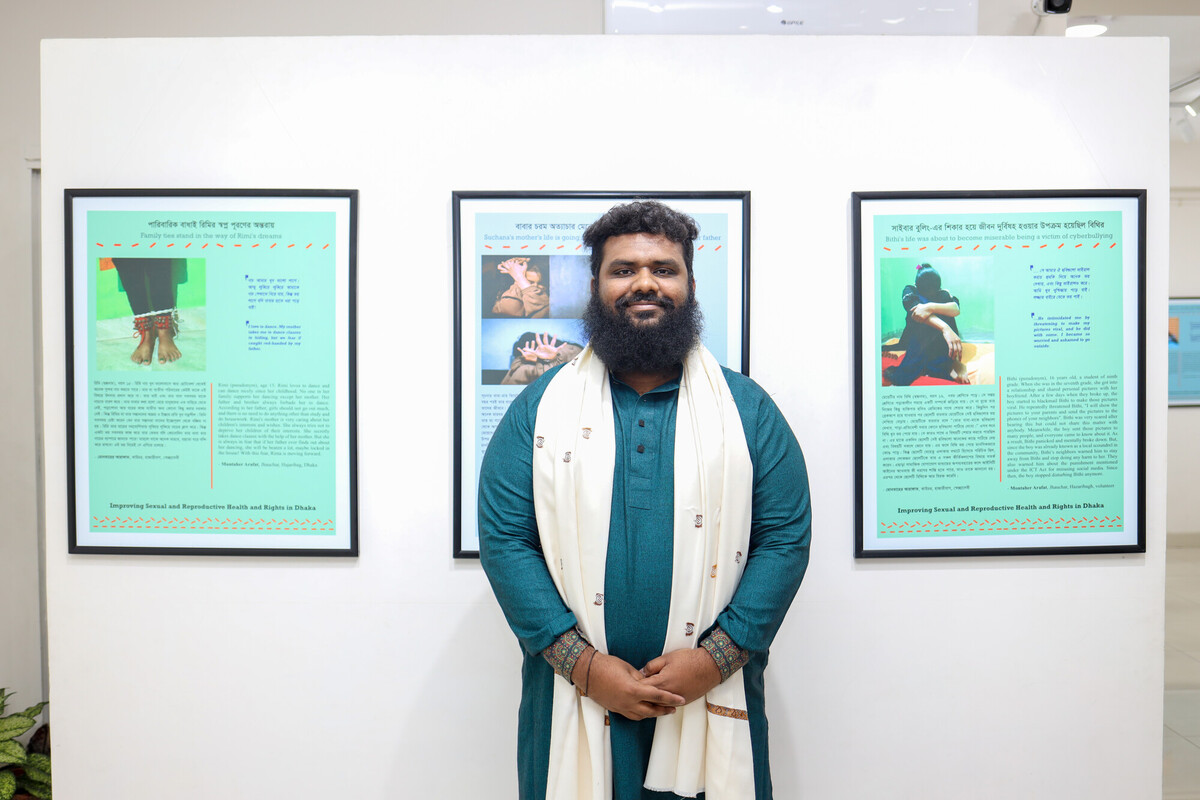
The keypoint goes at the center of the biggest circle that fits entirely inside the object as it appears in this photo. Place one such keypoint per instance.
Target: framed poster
(210, 392)
(1000, 372)
(1183, 352)
(506, 334)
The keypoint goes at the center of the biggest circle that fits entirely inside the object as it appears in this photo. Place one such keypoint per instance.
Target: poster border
(857, 268)
(458, 196)
(351, 196)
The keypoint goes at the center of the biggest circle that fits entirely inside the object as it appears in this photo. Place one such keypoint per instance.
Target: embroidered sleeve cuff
(565, 652)
(729, 657)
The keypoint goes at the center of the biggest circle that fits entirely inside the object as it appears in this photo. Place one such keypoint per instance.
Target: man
(644, 522)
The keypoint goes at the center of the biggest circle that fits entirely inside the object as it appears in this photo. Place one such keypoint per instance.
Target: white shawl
(705, 745)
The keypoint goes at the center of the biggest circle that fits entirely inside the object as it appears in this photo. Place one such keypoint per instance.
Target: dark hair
(928, 281)
(641, 216)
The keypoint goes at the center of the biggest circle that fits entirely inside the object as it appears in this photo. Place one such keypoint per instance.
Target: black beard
(624, 346)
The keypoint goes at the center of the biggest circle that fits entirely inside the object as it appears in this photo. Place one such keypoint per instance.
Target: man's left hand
(690, 673)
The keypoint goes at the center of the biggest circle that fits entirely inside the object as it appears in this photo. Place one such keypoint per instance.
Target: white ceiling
(1177, 20)
(1184, 33)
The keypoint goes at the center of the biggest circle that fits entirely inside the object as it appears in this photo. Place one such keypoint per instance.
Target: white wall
(24, 24)
(393, 675)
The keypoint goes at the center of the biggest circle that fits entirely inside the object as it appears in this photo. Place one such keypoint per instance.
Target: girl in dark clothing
(930, 338)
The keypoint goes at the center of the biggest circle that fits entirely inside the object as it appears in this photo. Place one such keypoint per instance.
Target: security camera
(1046, 8)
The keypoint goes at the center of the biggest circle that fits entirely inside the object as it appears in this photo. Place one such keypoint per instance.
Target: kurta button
(641, 423)
(641, 448)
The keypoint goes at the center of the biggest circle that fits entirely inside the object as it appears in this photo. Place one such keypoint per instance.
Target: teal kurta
(637, 582)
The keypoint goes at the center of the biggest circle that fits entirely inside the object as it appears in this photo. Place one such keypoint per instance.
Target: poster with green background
(1000, 367)
(211, 363)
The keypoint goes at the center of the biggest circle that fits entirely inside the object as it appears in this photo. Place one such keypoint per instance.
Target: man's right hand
(620, 688)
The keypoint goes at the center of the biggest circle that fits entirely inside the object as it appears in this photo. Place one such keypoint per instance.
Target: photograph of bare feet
(160, 304)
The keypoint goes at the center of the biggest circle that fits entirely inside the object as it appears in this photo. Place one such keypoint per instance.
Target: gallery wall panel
(913, 675)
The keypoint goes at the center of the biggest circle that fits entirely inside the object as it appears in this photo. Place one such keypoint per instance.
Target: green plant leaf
(4, 695)
(38, 761)
(12, 753)
(8, 785)
(35, 776)
(35, 788)
(33, 711)
(13, 726)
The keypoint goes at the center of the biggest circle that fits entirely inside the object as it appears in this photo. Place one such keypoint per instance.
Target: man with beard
(644, 522)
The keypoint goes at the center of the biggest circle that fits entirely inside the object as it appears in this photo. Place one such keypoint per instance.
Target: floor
(115, 342)
(1181, 710)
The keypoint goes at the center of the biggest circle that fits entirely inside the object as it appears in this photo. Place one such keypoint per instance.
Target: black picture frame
(553, 222)
(1071, 302)
(287, 417)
